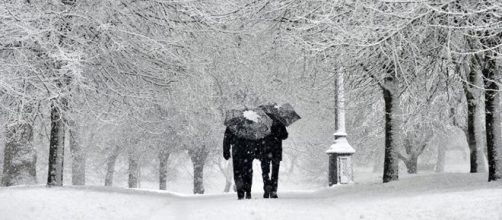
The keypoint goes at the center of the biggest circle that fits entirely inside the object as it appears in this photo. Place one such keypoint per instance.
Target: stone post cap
(341, 146)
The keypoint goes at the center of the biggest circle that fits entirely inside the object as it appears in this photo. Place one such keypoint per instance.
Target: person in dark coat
(243, 154)
(269, 152)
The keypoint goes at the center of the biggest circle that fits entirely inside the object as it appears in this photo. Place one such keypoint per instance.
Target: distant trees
(78, 154)
(19, 155)
(78, 55)
(111, 160)
(141, 79)
(163, 158)
(412, 37)
(481, 29)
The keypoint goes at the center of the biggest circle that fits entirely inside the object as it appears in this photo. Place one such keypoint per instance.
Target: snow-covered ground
(431, 196)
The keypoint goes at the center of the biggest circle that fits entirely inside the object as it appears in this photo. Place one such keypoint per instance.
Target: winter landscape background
(114, 109)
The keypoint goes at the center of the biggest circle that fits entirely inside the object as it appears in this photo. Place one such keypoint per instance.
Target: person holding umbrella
(244, 129)
(269, 150)
(270, 154)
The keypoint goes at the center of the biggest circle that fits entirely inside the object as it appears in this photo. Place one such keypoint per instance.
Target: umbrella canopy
(251, 124)
(285, 113)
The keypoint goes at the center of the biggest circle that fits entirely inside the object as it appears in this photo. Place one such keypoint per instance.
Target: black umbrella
(251, 124)
(285, 113)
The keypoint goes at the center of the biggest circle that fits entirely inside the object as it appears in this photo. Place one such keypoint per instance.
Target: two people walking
(243, 151)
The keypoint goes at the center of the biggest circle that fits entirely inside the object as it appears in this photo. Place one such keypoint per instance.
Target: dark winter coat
(241, 147)
(243, 154)
(270, 146)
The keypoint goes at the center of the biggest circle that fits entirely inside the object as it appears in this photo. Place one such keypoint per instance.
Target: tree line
(147, 79)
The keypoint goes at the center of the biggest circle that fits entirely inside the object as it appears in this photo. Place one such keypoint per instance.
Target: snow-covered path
(446, 196)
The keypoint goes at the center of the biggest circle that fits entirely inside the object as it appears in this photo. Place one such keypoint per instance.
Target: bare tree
(492, 76)
(198, 156)
(391, 166)
(111, 160)
(78, 156)
(163, 159)
(473, 92)
(20, 159)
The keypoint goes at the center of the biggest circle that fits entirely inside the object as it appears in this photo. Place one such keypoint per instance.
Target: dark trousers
(270, 181)
(243, 175)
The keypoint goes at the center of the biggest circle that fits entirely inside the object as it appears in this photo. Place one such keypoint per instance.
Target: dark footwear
(267, 189)
(248, 195)
(273, 195)
(240, 195)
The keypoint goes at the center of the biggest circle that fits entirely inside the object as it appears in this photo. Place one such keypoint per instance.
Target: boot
(267, 189)
(266, 195)
(240, 195)
(273, 195)
(248, 195)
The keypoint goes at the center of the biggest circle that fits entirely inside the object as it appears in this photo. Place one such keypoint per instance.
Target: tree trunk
(20, 158)
(378, 161)
(227, 170)
(440, 163)
(228, 185)
(411, 164)
(473, 133)
(133, 171)
(78, 156)
(56, 148)
(56, 142)
(229, 177)
(163, 159)
(110, 166)
(198, 157)
(198, 178)
(493, 120)
(391, 162)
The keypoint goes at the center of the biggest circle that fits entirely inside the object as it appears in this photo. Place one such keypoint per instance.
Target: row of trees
(151, 79)
(427, 57)
(415, 53)
(66, 62)
(141, 80)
